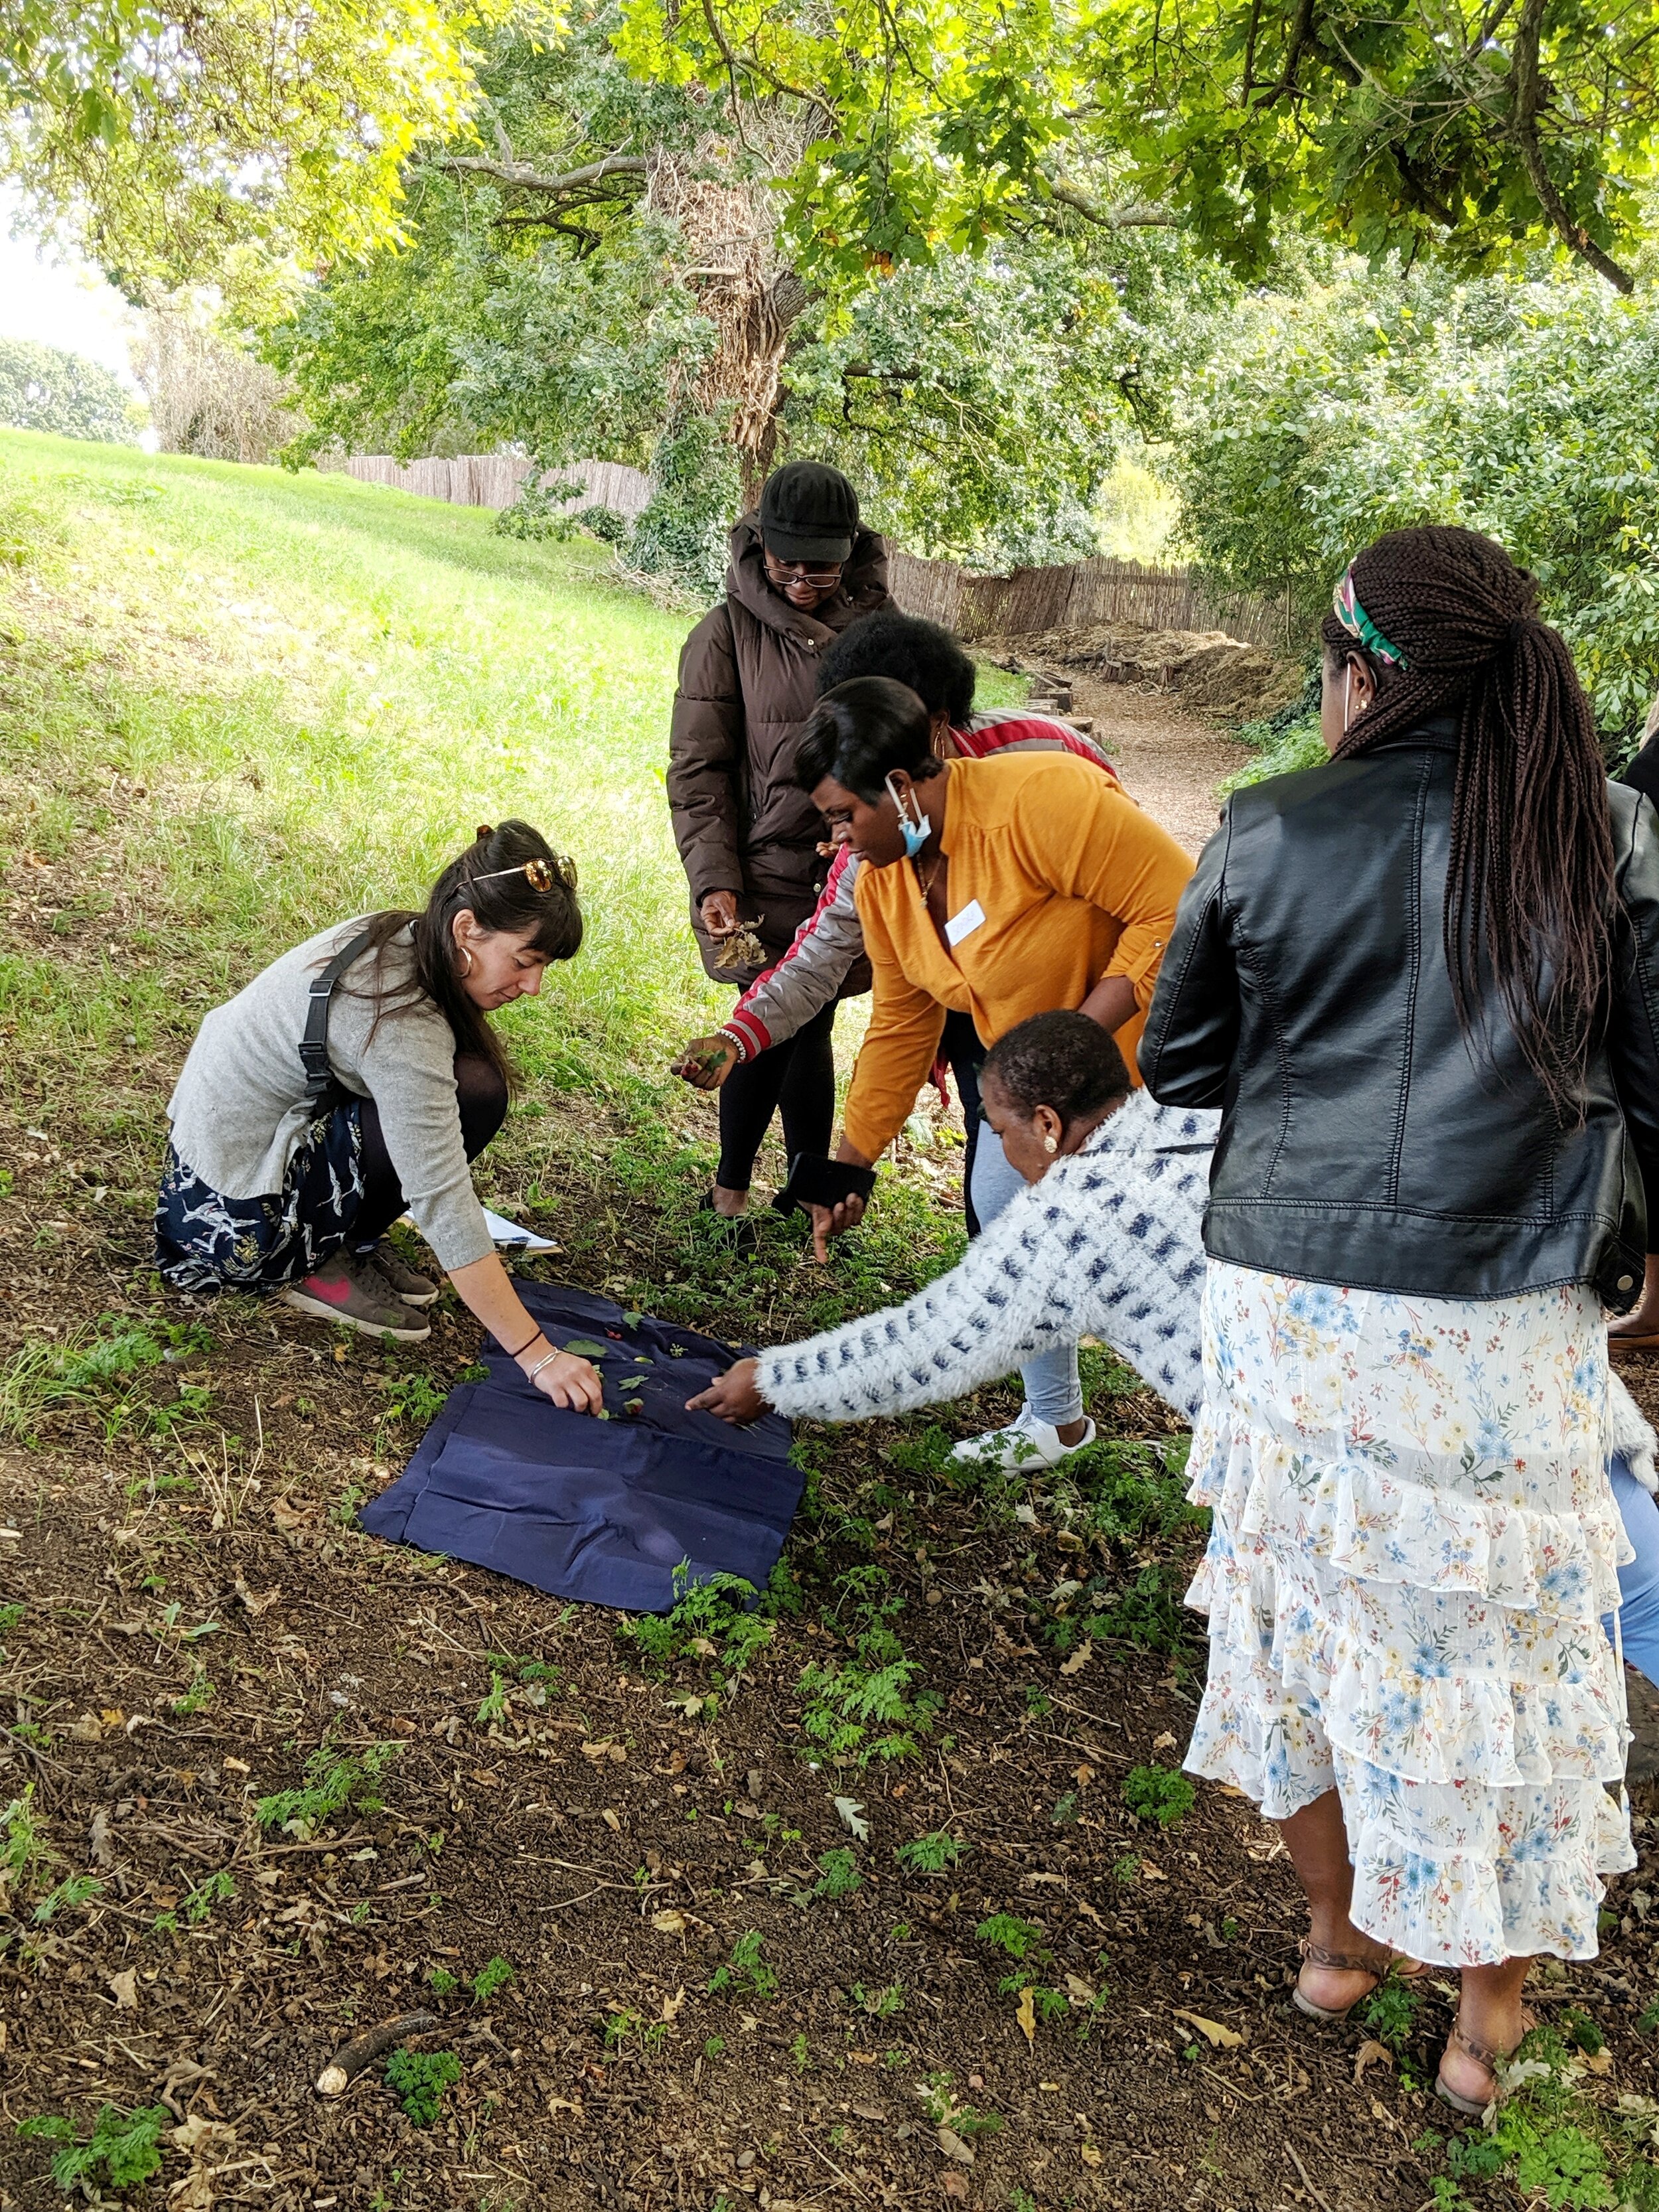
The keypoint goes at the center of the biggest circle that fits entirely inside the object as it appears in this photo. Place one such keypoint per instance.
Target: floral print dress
(1413, 1539)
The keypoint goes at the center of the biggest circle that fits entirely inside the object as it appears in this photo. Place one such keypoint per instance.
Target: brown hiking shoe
(356, 1295)
(415, 1290)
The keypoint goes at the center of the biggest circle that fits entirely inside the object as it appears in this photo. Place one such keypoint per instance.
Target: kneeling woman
(356, 1078)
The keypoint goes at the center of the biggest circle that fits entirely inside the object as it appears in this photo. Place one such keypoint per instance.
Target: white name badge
(963, 924)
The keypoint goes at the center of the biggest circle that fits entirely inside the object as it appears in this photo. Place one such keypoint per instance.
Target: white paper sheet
(522, 1240)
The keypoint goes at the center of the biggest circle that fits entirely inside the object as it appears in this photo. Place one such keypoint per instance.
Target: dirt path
(1170, 761)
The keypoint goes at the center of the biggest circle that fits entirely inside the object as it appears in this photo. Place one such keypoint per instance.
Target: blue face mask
(915, 833)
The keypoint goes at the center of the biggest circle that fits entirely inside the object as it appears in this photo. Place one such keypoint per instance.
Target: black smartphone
(815, 1180)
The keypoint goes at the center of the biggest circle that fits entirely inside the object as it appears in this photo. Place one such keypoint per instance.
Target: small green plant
(1390, 2013)
(746, 1971)
(490, 1978)
(333, 1781)
(863, 1706)
(714, 2046)
(714, 1618)
(943, 2109)
(413, 1398)
(75, 1889)
(441, 1982)
(930, 1854)
(1065, 1810)
(25, 1855)
(492, 1711)
(839, 1875)
(1038, 1704)
(800, 2053)
(1158, 1793)
(880, 2004)
(197, 1904)
(1018, 1939)
(418, 2078)
(123, 2150)
(200, 1692)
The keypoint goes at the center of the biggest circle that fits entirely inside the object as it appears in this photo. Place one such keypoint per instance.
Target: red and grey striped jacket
(810, 973)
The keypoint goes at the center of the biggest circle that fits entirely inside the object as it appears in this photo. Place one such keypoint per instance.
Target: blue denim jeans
(1052, 1389)
(1638, 1582)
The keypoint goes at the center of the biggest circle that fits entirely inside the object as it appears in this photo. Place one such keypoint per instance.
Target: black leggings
(796, 1079)
(962, 1051)
(481, 1093)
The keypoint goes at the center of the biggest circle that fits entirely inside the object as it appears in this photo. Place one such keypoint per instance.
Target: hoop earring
(1347, 683)
(467, 956)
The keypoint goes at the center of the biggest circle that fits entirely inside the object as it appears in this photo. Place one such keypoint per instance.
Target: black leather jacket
(1305, 992)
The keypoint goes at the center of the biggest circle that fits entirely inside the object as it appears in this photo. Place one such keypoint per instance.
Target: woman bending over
(357, 1078)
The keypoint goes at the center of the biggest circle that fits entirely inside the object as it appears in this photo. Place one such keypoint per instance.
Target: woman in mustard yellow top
(999, 889)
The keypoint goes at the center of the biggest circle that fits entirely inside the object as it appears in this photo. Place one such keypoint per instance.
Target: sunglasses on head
(539, 873)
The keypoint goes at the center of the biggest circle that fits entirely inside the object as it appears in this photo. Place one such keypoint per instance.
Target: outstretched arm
(1105, 1244)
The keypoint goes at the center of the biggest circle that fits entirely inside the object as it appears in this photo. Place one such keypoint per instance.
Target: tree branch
(1121, 218)
(1523, 132)
(520, 173)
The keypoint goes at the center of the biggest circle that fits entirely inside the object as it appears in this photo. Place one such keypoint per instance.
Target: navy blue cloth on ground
(600, 1511)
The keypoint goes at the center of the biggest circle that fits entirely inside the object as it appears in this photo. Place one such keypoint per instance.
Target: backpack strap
(313, 1045)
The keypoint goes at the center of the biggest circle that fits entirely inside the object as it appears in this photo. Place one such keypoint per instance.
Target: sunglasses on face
(797, 572)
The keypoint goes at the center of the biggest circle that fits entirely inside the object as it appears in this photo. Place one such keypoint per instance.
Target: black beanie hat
(809, 513)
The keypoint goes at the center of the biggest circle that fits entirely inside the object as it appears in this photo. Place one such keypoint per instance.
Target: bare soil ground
(1171, 761)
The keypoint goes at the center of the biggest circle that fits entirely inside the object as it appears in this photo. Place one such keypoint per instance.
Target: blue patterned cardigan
(1109, 1244)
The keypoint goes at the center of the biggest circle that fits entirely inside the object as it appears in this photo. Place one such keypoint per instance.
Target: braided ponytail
(1529, 889)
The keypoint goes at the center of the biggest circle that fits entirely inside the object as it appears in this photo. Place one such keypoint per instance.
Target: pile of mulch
(1214, 673)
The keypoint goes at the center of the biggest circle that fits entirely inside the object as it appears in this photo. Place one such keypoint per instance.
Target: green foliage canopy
(44, 388)
(940, 124)
(185, 142)
(1529, 410)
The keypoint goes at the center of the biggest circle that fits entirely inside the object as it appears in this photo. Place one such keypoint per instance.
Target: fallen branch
(342, 2070)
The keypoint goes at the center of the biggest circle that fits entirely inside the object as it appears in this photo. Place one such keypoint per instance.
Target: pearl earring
(1051, 1144)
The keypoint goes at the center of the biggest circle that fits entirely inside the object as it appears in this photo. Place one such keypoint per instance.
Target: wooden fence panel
(1098, 591)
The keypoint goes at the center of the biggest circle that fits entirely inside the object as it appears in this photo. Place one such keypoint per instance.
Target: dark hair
(1529, 882)
(860, 732)
(550, 920)
(923, 654)
(1062, 1061)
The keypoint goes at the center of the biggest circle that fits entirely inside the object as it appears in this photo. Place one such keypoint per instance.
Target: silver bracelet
(530, 1373)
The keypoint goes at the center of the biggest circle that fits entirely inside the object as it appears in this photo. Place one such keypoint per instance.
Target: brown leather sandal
(1472, 2108)
(1379, 1965)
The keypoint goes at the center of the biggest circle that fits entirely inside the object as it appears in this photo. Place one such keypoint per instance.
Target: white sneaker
(1026, 1442)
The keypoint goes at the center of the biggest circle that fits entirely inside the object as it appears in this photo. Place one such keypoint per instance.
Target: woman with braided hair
(1419, 981)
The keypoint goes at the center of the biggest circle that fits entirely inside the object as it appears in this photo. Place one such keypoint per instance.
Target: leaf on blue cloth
(586, 1348)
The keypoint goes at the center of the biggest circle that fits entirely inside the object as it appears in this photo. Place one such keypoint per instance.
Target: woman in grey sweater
(357, 1077)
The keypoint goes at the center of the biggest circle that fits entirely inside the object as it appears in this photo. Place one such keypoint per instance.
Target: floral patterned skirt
(1413, 1539)
(206, 1241)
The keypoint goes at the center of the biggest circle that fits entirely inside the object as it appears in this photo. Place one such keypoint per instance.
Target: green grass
(236, 705)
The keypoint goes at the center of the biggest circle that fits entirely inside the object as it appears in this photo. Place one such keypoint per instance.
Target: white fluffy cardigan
(1108, 1245)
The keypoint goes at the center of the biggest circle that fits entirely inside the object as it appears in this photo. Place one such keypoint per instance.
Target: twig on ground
(350, 2059)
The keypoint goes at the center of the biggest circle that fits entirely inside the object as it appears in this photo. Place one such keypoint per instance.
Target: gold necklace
(928, 881)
